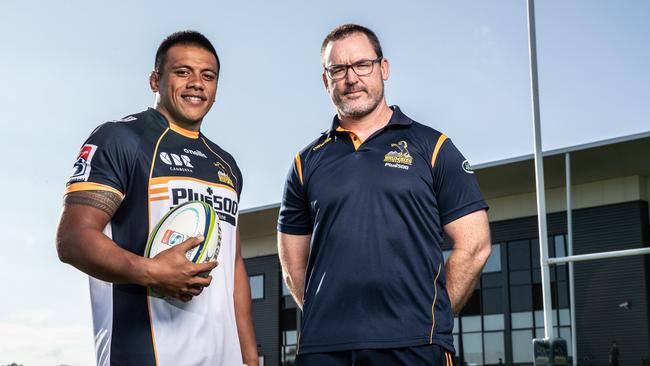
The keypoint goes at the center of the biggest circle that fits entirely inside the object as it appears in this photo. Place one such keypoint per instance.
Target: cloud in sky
(29, 340)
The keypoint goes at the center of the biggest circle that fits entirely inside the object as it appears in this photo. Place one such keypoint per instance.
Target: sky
(460, 67)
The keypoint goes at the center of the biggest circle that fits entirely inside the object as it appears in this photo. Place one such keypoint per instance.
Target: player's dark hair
(346, 30)
(186, 37)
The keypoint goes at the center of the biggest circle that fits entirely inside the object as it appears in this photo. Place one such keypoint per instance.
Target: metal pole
(569, 223)
(539, 175)
(602, 255)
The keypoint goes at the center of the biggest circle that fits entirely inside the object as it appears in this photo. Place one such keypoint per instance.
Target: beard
(358, 110)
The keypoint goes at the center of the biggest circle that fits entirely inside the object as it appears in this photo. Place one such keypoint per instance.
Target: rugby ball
(190, 219)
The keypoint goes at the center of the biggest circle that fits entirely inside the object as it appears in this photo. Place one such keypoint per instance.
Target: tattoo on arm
(101, 200)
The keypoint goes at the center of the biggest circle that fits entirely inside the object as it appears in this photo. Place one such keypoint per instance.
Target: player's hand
(172, 274)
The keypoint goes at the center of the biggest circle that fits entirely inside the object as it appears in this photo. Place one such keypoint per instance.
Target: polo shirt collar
(398, 118)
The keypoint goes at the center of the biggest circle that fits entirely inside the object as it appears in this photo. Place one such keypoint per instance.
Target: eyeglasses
(361, 68)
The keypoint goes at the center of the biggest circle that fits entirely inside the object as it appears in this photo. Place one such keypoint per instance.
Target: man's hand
(82, 244)
(172, 274)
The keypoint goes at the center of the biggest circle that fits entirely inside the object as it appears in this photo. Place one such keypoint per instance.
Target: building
(610, 189)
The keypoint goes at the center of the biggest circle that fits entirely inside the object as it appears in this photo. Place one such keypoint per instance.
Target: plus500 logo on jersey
(81, 168)
(225, 207)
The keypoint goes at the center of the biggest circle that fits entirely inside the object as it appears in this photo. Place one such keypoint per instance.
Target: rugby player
(362, 219)
(128, 174)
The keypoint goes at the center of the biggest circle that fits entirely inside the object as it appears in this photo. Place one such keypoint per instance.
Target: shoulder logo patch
(125, 119)
(400, 158)
(81, 169)
(467, 168)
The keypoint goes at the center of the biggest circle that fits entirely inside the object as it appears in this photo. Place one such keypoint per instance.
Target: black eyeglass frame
(328, 70)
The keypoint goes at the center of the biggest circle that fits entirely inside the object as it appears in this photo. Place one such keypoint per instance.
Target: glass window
(562, 294)
(522, 320)
(537, 275)
(494, 348)
(538, 296)
(491, 280)
(285, 289)
(288, 348)
(551, 247)
(562, 273)
(494, 261)
(521, 298)
(539, 318)
(473, 348)
(493, 322)
(456, 329)
(542, 334)
(471, 323)
(519, 255)
(565, 317)
(520, 277)
(560, 248)
(522, 346)
(257, 286)
(492, 301)
(534, 252)
(290, 337)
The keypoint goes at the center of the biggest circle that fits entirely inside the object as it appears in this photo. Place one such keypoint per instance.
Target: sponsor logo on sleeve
(467, 168)
(81, 168)
(399, 158)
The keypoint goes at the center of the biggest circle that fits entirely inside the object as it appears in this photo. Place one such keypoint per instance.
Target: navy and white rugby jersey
(375, 211)
(155, 166)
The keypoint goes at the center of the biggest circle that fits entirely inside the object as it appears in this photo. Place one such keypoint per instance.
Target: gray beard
(361, 111)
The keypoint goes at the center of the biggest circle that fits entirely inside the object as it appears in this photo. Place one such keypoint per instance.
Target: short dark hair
(346, 30)
(186, 37)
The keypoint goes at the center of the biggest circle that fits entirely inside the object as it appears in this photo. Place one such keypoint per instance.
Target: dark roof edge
(564, 150)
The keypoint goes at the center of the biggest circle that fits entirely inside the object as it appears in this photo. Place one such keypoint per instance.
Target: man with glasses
(362, 219)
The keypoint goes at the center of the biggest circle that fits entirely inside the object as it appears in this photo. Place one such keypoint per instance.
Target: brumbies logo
(223, 176)
(401, 158)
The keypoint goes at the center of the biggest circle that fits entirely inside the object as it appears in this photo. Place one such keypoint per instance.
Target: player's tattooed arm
(105, 201)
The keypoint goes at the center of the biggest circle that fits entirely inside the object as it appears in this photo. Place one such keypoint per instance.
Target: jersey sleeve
(456, 188)
(240, 182)
(103, 162)
(294, 217)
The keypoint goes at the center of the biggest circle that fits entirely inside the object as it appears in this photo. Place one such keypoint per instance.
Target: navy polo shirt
(375, 211)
